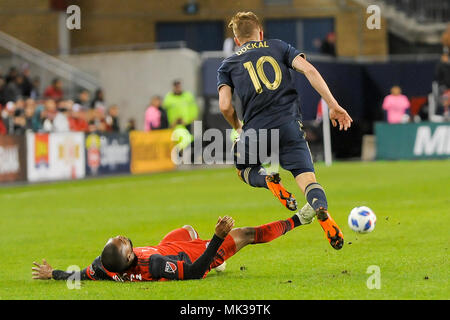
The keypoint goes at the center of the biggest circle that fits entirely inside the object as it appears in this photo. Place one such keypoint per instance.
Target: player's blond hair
(244, 25)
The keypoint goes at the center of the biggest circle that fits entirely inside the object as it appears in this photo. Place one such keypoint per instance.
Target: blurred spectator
(92, 127)
(131, 125)
(48, 115)
(37, 117)
(55, 90)
(83, 99)
(13, 90)
(78, 119)
(99, 119)
(12, 73)
(30, 106)
(61, 120)
(8, 117)
(446, 40)
(3, 100)
(396, 106)
(27, 85)
(446, 105)
(35, 92)
(98, 101)
(442, 72)
(19, 117)
(3, 130)
(102, 127)
(329, 45)
(182, 136)
(53, 114)
(180, 105)
(155, 115)
(112, 119)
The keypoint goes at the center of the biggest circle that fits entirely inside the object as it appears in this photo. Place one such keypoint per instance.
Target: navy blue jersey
(260, 74)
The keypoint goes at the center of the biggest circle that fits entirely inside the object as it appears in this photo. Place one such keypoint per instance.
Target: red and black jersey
(140, 270)
(173, 258)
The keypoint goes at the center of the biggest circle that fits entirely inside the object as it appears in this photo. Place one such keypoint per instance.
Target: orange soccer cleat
(273, 182)
(332, 231)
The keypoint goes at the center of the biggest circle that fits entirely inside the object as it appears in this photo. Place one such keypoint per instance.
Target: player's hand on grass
(339, 115)
(224, 226)
(42, 271)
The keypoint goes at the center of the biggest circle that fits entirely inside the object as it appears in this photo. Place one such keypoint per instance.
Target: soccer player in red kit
(181, 255)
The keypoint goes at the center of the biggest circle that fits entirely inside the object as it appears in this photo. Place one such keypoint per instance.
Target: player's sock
(315, 195)
(273, 230)
(254, 176)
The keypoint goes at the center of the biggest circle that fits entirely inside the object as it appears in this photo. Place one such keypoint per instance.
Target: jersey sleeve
(223, 76)
(94, 271)
(169, 268)
(289, 53)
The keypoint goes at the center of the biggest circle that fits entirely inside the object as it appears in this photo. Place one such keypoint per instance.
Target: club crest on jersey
(170, 267)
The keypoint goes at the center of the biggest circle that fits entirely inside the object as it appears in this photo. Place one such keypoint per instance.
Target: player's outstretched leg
(315, 195)
(257, 177)
(271, 231)
(241, 237)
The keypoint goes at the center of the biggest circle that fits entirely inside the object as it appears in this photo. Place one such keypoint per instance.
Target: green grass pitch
(69, 222)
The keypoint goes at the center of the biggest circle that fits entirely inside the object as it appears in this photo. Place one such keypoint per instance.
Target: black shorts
(293, 150)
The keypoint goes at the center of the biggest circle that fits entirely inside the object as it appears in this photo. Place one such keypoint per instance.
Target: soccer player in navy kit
(259, 73)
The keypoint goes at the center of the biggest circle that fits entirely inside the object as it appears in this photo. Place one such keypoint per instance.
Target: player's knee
(245, 235)
(191, 231)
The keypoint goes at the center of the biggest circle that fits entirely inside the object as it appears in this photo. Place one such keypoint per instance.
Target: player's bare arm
(227, 109)
(337, 113)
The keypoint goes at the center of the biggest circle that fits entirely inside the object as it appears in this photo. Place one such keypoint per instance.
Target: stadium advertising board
(151, 151)
(107, 153)
(423, 140)
(12, 158)
(55, 156)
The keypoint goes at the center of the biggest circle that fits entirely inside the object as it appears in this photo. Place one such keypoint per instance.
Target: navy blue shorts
(294, 154)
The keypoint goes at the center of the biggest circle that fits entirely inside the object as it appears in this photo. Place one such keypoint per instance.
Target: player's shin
(316, 198)
(315, 195)
(273, 230)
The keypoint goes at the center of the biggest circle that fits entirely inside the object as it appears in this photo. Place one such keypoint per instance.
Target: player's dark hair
(112, 259)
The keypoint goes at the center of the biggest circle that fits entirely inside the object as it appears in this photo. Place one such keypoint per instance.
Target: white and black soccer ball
(362, 219)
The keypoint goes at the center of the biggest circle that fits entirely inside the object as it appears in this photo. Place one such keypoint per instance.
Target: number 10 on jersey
(259, 74)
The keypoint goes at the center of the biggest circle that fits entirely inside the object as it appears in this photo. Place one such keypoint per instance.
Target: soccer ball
(362, 220)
